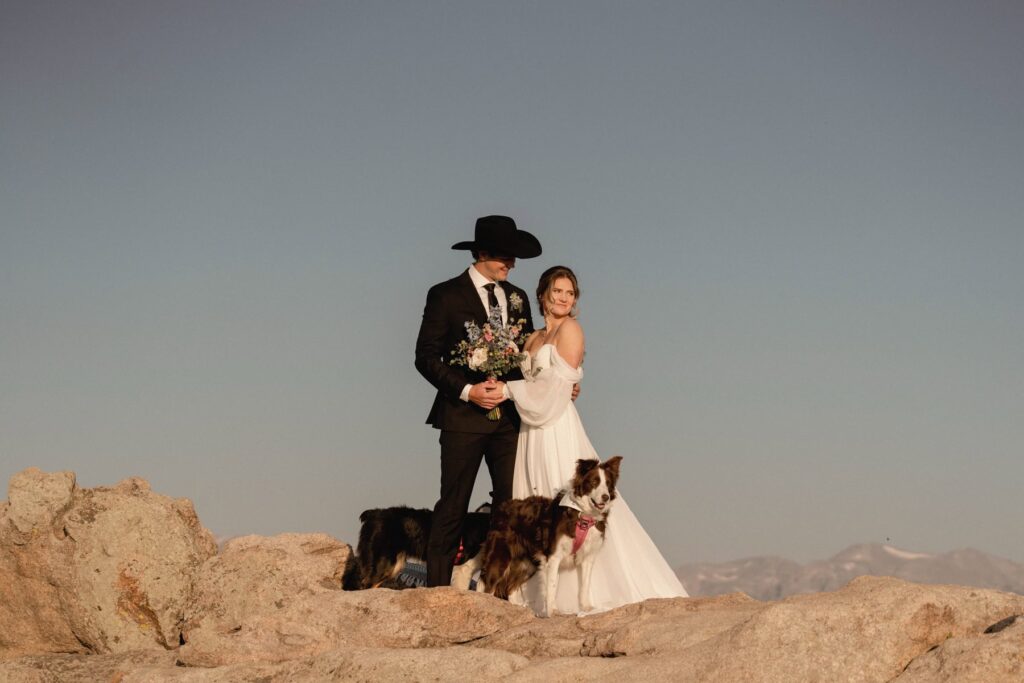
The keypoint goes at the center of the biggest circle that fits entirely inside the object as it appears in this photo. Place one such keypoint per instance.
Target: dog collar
(583, 525)
(568, 501)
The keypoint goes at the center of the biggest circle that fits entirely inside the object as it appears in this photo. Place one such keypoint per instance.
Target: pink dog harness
(583, 525)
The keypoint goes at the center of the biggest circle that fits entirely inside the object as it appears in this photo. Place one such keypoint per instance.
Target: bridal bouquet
(492, 349)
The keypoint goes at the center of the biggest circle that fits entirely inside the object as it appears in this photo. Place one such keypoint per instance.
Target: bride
(629, 567)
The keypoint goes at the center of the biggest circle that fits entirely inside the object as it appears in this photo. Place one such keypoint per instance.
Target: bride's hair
(548, 277)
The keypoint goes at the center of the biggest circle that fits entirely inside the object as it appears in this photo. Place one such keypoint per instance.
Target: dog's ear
(611, 469)
(585, 465)
(612, 464)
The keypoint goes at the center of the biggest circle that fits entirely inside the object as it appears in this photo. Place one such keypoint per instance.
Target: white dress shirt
(479, 280)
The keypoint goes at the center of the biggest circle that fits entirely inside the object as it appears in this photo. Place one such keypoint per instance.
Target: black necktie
(492, 298)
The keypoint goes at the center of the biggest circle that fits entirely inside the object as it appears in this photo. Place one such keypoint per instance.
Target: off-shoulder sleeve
(542, 398)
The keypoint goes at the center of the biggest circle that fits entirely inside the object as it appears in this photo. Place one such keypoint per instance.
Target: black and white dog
(547, 534)
(389, 537)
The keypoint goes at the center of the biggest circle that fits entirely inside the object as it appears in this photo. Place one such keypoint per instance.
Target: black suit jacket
(450, 305)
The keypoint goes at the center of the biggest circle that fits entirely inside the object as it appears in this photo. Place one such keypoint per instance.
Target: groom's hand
(487, 394)
(575, 390)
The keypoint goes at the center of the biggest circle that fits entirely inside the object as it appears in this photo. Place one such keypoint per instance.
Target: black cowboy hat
(499, 235)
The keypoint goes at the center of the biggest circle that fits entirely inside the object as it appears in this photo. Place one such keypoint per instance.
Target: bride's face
(560, 299)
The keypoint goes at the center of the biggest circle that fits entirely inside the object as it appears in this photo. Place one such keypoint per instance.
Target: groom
(464, 396)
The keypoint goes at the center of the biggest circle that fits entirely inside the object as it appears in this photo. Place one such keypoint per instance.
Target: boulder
(995, 655)
(307, 625)
(98, 570)
(135, 555)
(656, 626)
(255, 575)
(868, 631)
(31, 618)
(38, 498)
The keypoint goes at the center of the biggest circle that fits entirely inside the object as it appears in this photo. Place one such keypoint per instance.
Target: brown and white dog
(547, 534)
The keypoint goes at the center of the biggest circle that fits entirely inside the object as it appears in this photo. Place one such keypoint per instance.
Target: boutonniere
(515, 301)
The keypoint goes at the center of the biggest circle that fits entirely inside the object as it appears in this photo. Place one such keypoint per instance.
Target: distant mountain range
(771, 578)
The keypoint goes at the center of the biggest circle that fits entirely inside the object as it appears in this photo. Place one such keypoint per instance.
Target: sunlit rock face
(121, 583)
(100, 570)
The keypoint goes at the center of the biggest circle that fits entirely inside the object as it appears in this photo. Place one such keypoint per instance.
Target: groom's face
(495, 266)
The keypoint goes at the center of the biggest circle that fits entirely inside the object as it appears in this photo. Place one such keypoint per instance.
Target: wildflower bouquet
(492, 349)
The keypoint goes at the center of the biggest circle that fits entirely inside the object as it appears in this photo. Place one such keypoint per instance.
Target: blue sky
(797, 228)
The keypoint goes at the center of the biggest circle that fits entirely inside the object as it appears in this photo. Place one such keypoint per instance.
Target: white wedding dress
(629, 567)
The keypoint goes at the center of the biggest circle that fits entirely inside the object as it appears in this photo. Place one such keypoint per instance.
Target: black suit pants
(461, 453)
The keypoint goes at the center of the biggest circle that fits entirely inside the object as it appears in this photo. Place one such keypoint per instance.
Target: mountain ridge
(772, 577)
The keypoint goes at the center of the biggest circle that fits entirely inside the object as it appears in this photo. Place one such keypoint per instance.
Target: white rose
(478, 358)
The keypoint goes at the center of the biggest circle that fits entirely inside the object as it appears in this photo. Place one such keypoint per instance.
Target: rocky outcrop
(272, 609)
(278, 599)
(255, 578)
(32, 618)
(309, 626)
(348, 664)
(871, 630)
(95, 570)
(36, 499)
(134, 560)
(647, 628)
(995, 655)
